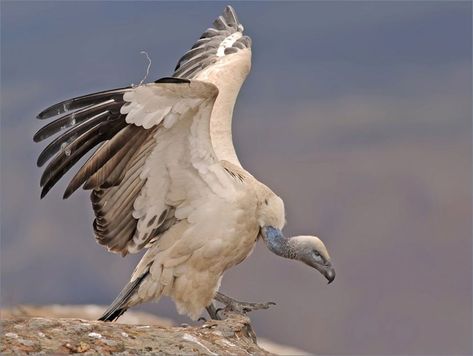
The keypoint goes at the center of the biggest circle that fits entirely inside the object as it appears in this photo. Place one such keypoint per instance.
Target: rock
(233, 335)
(63, 329)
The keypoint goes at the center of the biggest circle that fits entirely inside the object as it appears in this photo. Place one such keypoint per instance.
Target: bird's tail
(120, 304)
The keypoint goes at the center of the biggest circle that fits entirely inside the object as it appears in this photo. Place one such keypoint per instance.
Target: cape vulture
(165, 177)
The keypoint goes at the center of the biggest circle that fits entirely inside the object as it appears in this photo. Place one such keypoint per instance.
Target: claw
(213, 313)
(218, 310)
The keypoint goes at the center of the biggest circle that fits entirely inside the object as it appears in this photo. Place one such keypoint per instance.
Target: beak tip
(330, 275)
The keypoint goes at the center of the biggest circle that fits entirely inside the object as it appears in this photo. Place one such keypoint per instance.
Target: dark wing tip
(54, 110)
(204, 52)
(68, 193)
(81, 101)
(44, 191)
(37, 137)
(230, 16)
(228, 19)
(42, 115)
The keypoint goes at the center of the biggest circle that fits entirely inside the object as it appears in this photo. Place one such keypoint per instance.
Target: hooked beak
(327, 270)
(329, 273)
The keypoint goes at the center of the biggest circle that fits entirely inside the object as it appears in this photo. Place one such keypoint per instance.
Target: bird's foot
(240, 307)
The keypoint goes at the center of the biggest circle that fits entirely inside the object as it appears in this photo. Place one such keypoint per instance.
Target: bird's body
(188, 261)
(216, 204)
(167, 179)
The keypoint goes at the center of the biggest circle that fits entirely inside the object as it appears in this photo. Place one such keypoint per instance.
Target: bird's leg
(240, 307)
(213, 312)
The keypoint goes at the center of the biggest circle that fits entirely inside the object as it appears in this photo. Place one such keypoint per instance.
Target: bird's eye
(317, 256)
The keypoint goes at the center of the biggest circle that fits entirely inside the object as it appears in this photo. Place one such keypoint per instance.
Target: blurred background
(358, 114)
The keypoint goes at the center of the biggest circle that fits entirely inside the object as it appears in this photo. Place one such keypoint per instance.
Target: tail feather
(119, 305)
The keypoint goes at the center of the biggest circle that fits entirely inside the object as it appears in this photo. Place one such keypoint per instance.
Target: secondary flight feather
(165, 177)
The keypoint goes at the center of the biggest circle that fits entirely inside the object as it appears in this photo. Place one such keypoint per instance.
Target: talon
(202, 319)
(218, 310)
(213, 313)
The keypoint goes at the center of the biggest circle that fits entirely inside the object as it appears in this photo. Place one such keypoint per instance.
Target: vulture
(165, 178)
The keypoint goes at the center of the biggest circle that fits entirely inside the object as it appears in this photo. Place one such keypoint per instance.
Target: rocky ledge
(23, 332)
(68, 336)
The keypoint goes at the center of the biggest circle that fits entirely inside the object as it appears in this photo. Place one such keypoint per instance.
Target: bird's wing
(154, 162)
(223, 38)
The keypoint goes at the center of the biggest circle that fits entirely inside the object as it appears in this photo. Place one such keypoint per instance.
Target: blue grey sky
(357, 113)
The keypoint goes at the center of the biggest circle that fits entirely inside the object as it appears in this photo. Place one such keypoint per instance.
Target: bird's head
(308, 249)
(312, 251)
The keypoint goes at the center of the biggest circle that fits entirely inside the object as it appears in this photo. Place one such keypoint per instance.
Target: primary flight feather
(165, 177)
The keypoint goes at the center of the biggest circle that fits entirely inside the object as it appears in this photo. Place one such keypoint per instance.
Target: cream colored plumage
(228, 75)
(187, 261)
(167, 177)
(217, 203)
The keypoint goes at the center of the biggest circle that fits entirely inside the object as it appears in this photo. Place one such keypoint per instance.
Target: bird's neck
(279, 244)
(228, 75)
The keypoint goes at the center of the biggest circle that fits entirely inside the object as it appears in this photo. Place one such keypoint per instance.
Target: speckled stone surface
(232, 336)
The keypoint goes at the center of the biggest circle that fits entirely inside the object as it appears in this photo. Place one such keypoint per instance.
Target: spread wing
(116, 171)
(154, 162)
(223, 38)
